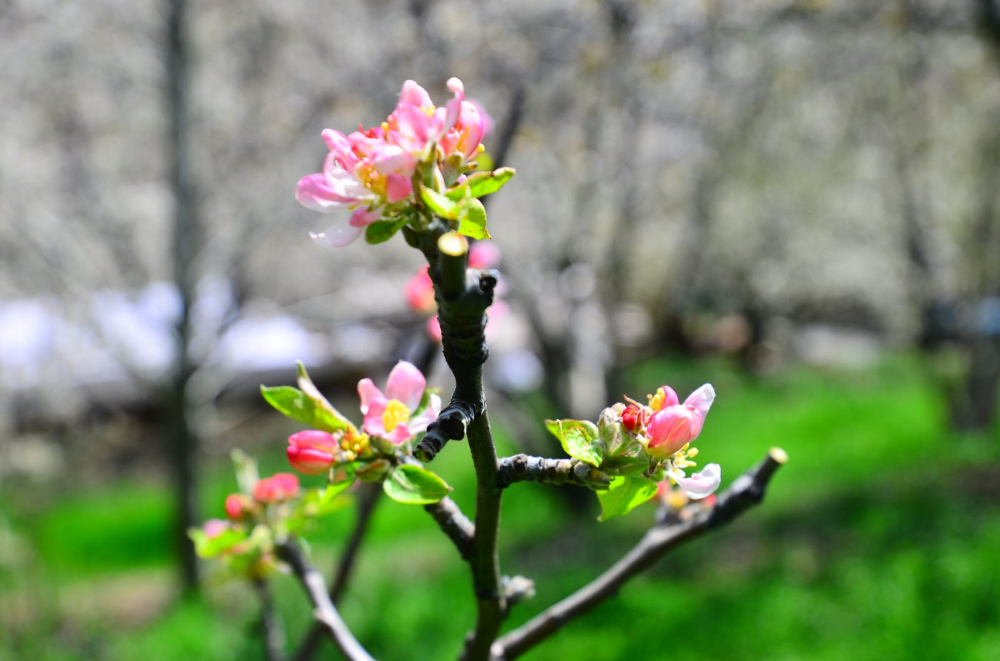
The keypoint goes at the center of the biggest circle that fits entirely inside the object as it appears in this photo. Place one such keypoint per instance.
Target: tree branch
(463, 296)
(745, 492)
(325, 612)
(368, 498)
(456, 525)
(525, 468)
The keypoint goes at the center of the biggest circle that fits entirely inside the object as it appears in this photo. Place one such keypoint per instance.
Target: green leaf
(414, 485)
(579, 439)
(439, 203)
(209, 547)
(472, 221)
(481, 183)
(624, 495)
(312, 392)
(382, 230)
(299, 406)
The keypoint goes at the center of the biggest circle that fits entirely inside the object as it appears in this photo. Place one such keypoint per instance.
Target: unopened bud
(631, 417)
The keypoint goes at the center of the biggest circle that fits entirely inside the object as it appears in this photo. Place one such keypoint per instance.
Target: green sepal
(579, 438)
(414, 485)
(382, 230)
(472, 219)
(373, 471)
(481, 183)
(439, 204)
(625, 494)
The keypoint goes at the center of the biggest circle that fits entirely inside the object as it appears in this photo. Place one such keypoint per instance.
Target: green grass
(879, 540)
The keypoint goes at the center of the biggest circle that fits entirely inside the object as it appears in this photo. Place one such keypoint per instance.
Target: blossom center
(396, 413)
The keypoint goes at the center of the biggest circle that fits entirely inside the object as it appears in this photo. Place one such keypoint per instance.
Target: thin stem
(745, 492)
(325, 612)
(368, 498)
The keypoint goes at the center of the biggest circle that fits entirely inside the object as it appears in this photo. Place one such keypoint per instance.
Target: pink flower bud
(276, 488)
(311, 452)
(237, 506)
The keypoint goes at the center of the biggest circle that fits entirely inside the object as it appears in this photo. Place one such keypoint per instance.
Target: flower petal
(406, 384)
(368, 393)
(399, 435)
(314, 192)
(397, 188)
(701, 399)
(340, 147)
(415, 95)
(373, 424)
(419, 422)
(363, 217)
(701, 484)
(338, 235)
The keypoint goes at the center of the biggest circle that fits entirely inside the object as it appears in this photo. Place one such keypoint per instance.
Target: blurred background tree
(800, 193)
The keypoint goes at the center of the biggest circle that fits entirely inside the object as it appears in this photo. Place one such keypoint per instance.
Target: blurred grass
(879, 540)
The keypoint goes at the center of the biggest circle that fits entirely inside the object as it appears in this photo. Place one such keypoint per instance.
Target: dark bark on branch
(368, 498)
(455, 524)
(325, 612)
(463, 296)
(745, 492)
(525, 468)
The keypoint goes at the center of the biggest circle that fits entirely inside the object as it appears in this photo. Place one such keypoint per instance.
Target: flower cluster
(380, 173)
(636, 446)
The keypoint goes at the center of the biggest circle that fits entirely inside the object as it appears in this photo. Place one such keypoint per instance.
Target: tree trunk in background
(181, 438)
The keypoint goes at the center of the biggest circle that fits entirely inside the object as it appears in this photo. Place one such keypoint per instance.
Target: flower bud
(237, 506)
(631, 417)
(670, 429)
(312, 452)
(276, 488)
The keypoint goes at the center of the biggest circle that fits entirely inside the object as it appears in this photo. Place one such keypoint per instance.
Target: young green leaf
(313, 393)
(472, 219)
(624, 495)
(382, 230)
(414, 485)
(300, 407)
(439, 204)
(579, 439)
(481, 183)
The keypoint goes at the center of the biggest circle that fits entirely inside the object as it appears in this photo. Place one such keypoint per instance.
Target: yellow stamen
(656, 401)
(395, 414)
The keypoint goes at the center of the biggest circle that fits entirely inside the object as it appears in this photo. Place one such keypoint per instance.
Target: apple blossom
(675, 425)
(371, 172)
(394, 415)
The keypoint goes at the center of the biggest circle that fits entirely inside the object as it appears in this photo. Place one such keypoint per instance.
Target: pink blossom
(675, 425)
(420, 292)
(312, 452)
(701, 484)
(371, 172)
(391, 415)
(484, 255)
(276, 488)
